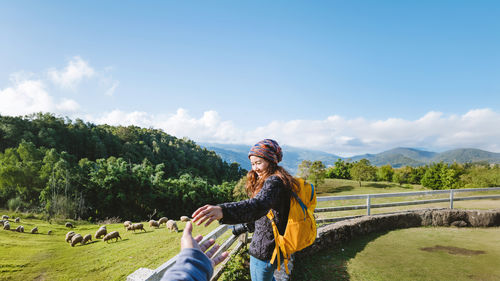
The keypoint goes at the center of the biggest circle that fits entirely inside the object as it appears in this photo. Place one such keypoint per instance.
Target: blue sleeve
(191, 265)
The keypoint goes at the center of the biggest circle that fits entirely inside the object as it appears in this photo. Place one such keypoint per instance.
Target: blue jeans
(261, 270)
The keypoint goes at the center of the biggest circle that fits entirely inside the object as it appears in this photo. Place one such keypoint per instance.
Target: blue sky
(345, 77)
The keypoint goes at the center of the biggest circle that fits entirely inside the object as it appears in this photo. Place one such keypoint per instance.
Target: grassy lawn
(426, 253)
(25, 256)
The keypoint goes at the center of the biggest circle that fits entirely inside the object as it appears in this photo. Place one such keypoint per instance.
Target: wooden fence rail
(144, 274)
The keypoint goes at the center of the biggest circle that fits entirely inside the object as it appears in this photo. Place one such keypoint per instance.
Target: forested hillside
(73, 168)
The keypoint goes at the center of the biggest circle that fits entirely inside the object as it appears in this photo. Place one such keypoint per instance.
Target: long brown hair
(254, 183)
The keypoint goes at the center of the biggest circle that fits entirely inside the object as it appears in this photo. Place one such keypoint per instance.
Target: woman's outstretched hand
(207, 213)
(187, 241)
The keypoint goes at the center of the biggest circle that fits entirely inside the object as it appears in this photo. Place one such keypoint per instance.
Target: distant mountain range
(397, 157)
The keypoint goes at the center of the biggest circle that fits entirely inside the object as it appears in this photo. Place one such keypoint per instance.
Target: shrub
(238, 267)
(15, 204)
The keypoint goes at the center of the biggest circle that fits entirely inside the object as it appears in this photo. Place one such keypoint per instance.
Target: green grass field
(25, 256)
(426, 253)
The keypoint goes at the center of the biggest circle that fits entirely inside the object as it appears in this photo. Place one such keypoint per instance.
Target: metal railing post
(368, 204)
(451, 198)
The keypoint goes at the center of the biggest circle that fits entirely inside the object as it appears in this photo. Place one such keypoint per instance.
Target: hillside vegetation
(73, 169)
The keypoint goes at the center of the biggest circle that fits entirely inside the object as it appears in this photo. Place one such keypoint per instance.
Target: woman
(268, 186)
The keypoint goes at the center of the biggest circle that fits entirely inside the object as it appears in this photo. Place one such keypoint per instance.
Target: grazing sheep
(34, 230)
(112, 235)
(162, 220)
(185, 219)
(127, 224)
(172, 225)
(100, 232)
(5, 217)
(17, 220)
(86, 238)
(154, 223)
(77, 238)
(68, 224)
(6, 226)
(20, 228)
(49, 232)
(136, 226)
(1, 222)
(69, 235)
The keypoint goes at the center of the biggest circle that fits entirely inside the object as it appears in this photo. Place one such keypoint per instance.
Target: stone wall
(336, 234)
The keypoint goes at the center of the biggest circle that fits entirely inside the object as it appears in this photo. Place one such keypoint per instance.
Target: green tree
(317, 173)
(385, 173)
(339, 171)
(442, 176)
(363, 171)
(304, 170)
(402, 175)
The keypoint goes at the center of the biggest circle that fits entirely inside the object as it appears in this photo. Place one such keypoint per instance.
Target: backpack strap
(302, 205)
(279, 242)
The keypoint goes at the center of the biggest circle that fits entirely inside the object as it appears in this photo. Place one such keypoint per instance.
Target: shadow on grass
(337, 189)
(331, 264)
(378, 185)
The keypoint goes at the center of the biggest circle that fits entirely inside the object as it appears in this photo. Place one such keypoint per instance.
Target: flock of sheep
(5, 223)
(75, 238)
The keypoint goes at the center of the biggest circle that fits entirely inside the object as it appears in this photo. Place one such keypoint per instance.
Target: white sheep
(2, 222)
(100, 232)
(68, 224)
(112, 235)
(185, 219)
(6, 226)
(127, 224)
(136, 226)
(86, 238)
(34, 230)
(162, 220)
(5, 217)
(20, 228)
(153, 223)
(69, 235)
(172, 225)
(17, 220)
(49, 232)
(77, 238)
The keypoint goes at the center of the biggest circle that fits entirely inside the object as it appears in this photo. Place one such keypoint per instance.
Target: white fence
(144, 274)
(368, 197)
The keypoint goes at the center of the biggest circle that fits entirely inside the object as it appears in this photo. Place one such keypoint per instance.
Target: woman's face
(259, 165)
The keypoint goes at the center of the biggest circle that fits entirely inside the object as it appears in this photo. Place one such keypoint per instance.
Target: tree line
(435, 175)
(82, 170)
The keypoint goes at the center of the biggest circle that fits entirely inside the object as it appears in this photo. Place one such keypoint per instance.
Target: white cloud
(29, 96)
(335, 134)
(68, 78)
(111, 90)
(68, 105)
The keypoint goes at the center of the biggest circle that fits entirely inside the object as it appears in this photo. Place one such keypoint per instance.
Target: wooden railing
(144, 274)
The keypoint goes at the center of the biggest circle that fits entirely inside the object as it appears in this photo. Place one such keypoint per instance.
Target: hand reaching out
(187, 241)
(207, 213)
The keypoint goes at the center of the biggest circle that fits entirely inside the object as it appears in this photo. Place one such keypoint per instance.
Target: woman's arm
(250, 210)
(242, 211)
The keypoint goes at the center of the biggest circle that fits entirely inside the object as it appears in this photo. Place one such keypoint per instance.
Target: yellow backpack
(300, 231)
